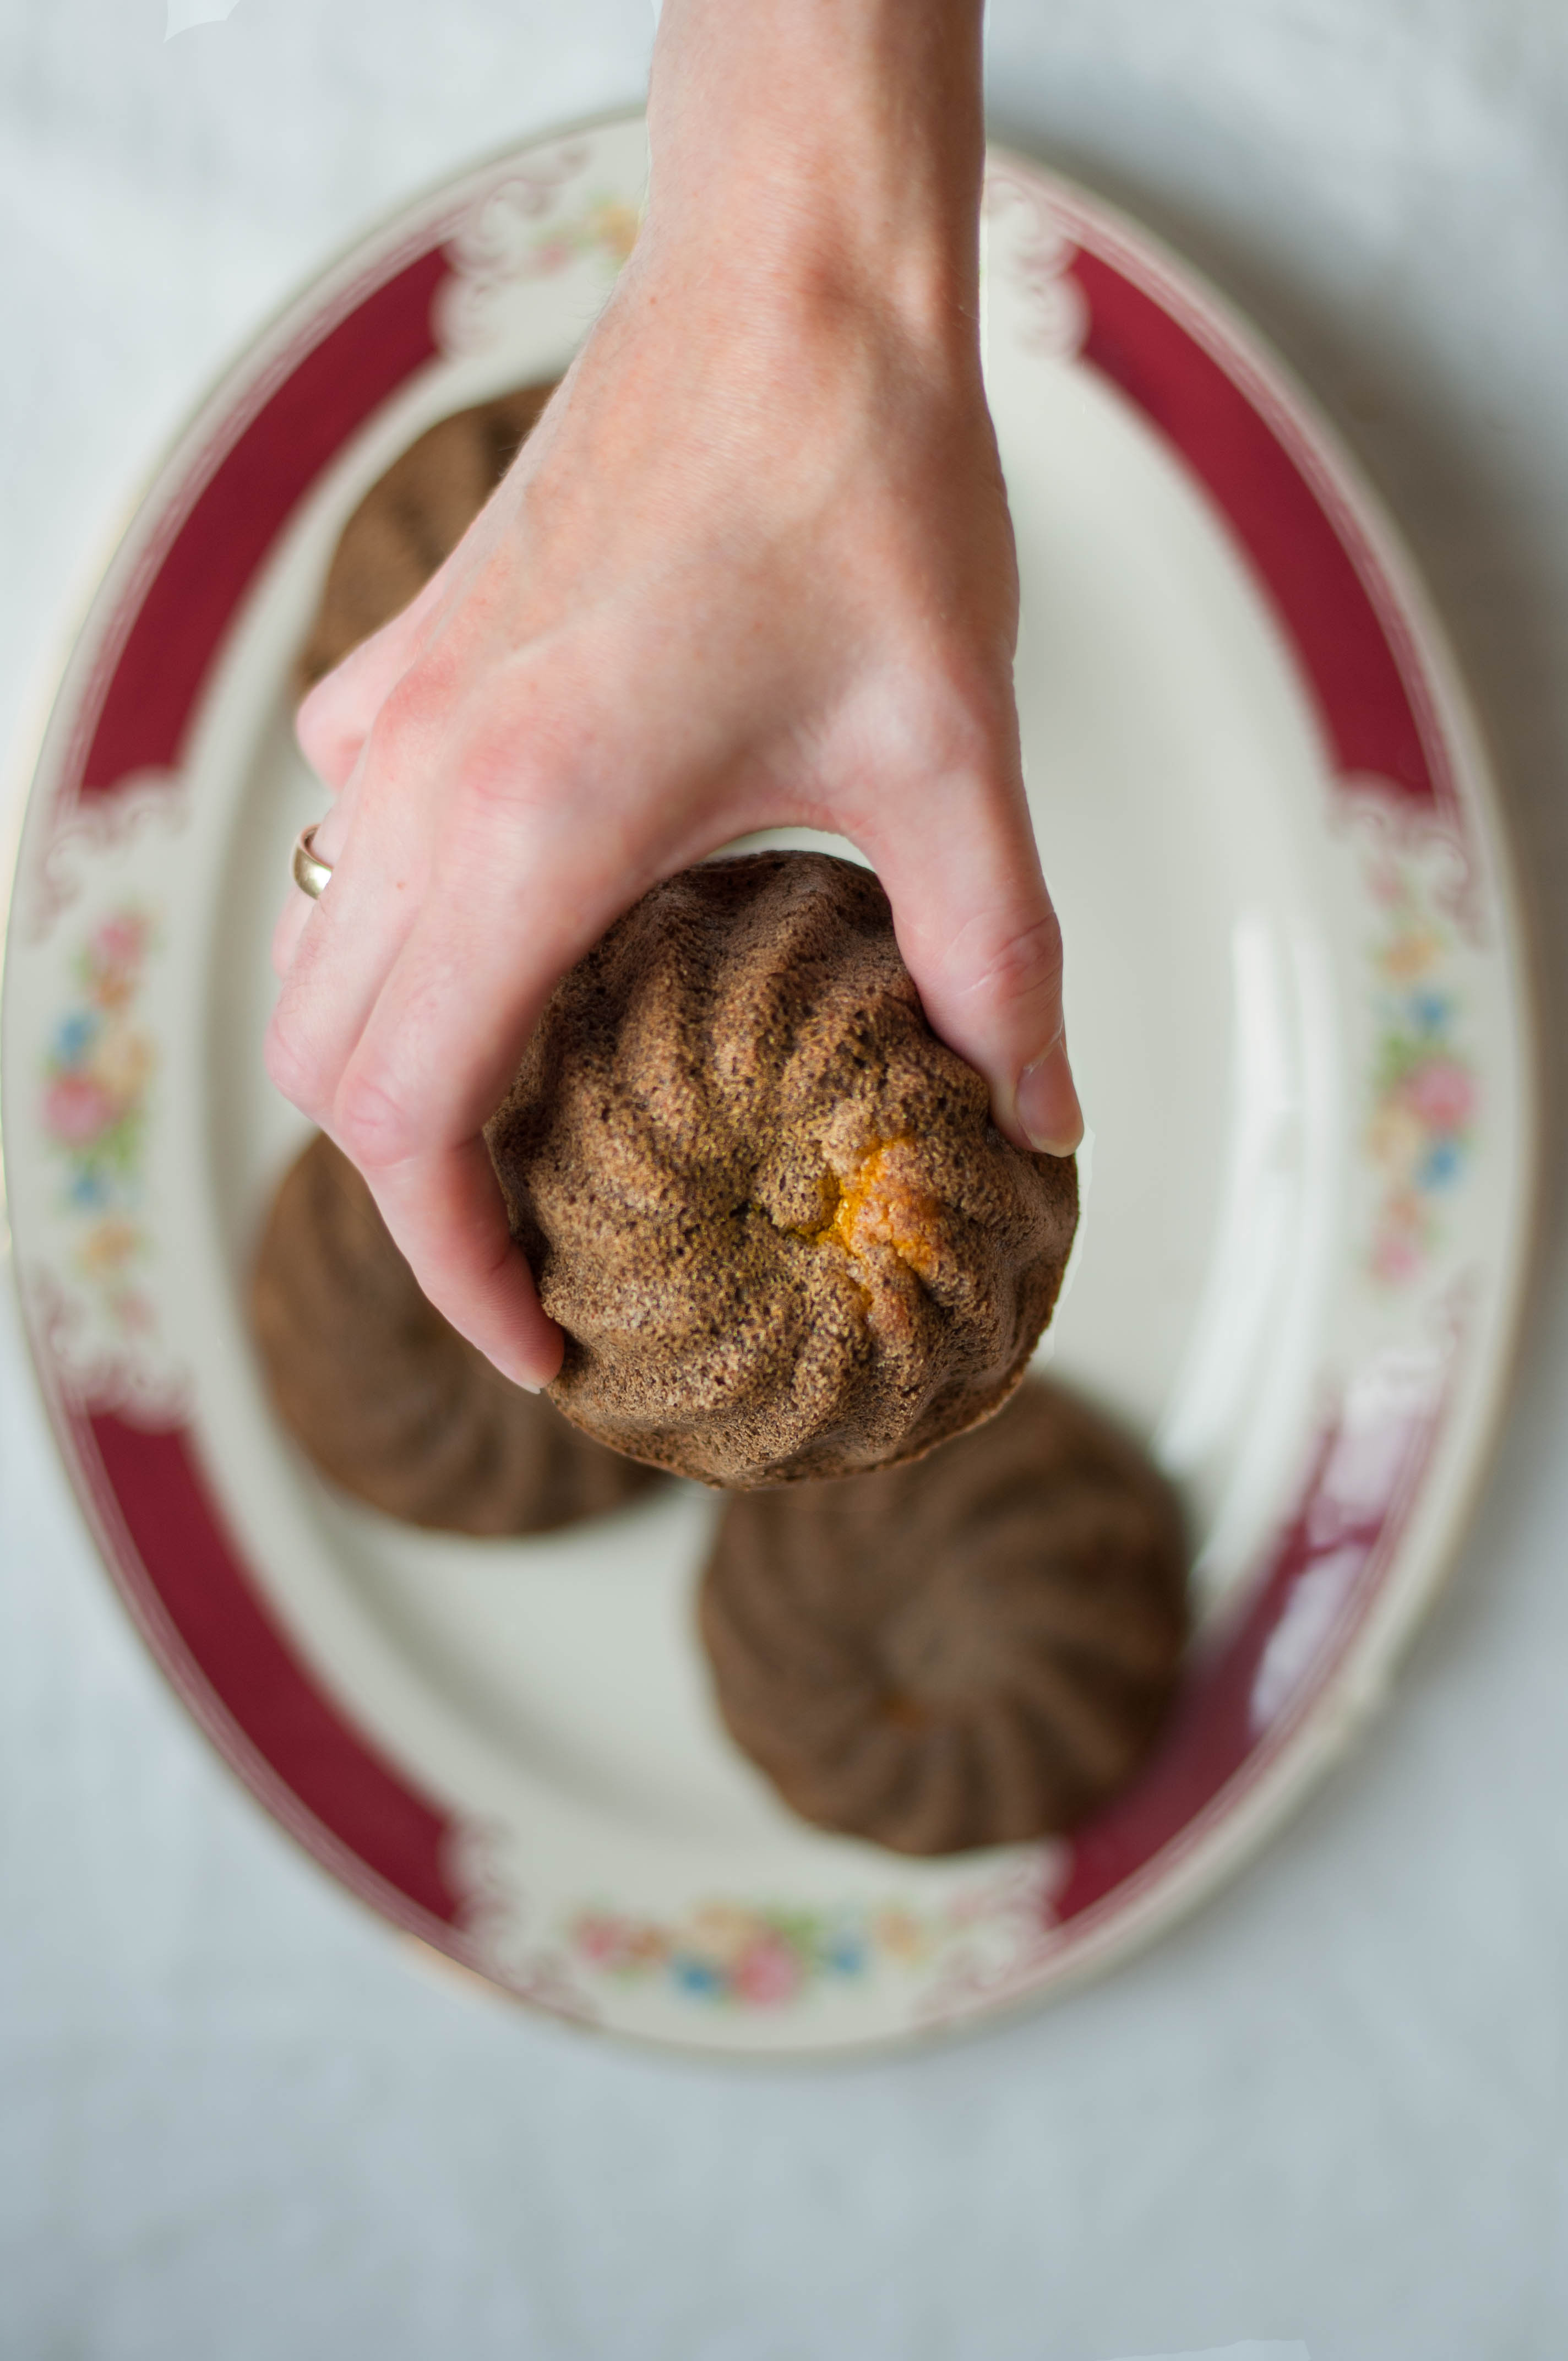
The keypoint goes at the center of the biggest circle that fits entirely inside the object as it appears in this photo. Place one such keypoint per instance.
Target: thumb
(978, 936)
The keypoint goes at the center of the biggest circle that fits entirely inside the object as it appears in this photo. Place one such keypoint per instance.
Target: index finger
(445, 1213)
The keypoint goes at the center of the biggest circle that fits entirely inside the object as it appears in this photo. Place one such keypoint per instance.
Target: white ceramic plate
(1297, 1016)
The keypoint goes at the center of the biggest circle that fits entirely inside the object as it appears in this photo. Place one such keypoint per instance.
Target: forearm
(835, 145)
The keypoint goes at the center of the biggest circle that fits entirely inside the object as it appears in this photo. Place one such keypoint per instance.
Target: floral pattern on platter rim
(745, 1954)
(1424, 1088)
(97, 1076)
(741, 1954)
(534, 226)
(943, 1955)
(605, 229)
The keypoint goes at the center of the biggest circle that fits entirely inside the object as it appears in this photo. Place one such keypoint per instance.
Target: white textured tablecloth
(236, 2120)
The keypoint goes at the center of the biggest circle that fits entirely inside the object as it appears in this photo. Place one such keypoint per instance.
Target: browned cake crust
(388, 1400)
(411, 521)
(972, 1650)
(766, 1204)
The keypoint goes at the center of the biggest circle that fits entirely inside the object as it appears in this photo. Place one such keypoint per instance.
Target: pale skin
(754, 566)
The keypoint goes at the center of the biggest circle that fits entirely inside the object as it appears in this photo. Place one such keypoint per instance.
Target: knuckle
(371, 1124)
(321, 724)
(407, 715)
(336, 717)
(493, 1254)
(417, 708)
(493, 765)
(1026, 965)
(286, 936)
(291, 1068)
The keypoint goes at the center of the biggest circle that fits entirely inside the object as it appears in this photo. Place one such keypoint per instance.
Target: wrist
(829, 151)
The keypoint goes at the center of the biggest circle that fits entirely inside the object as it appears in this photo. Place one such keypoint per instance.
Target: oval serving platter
(1297, 1001)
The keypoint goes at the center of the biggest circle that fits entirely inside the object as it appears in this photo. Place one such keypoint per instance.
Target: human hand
(754, 566)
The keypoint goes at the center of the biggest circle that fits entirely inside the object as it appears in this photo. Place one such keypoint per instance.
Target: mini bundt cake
(411, 521)
(386, 1397)
(974, 1649)
(766, 1204)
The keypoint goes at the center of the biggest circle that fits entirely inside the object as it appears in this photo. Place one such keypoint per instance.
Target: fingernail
(1047, 1103)
(525, 1375)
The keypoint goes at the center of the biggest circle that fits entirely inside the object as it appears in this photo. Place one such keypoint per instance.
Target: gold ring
(312, 873)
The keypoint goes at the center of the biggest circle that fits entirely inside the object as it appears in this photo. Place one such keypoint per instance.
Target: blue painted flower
(695, 1975)
(1440, 1166)
(75, 1037)
(88, 1188)
(1431, 1010)
(843, 1954)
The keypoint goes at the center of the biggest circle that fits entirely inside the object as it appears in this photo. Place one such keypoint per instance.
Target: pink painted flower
(115, 957)
(77, 1110)
(768, 1973)
(1396, 1257)
(599, 1938)
(1442, 1095)
(120, 940)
